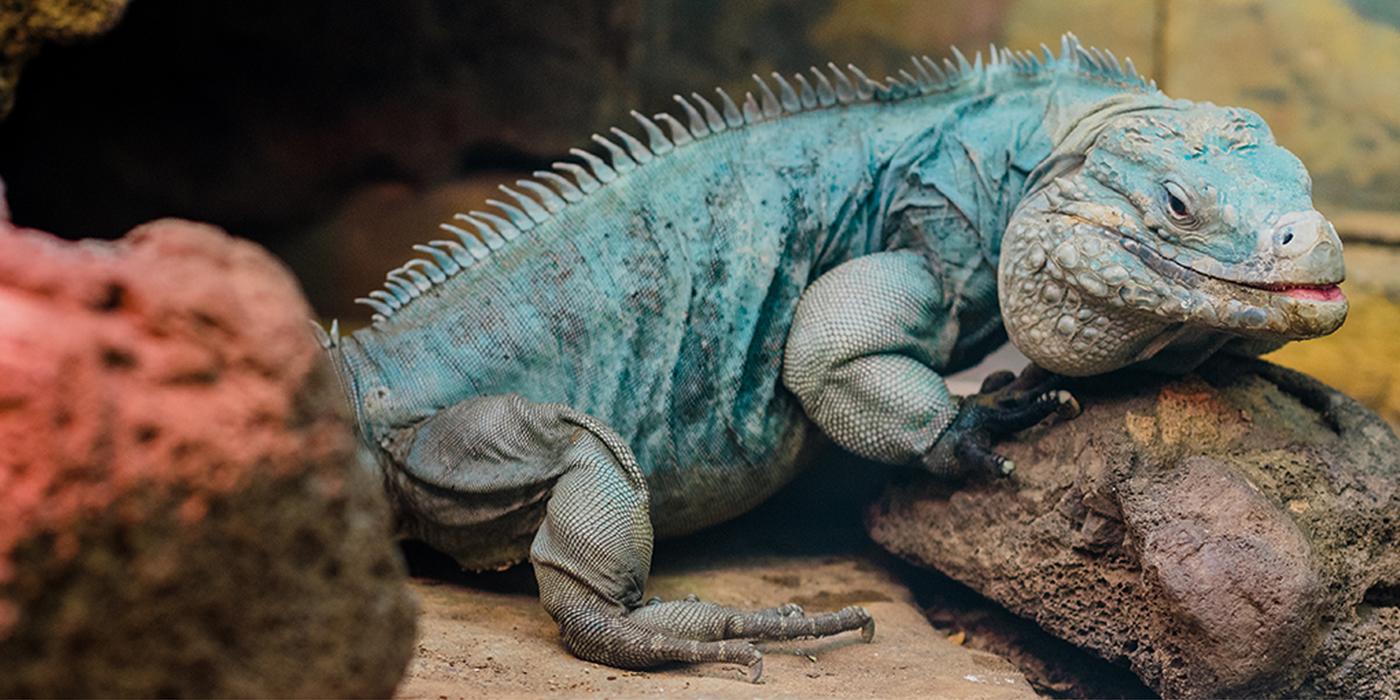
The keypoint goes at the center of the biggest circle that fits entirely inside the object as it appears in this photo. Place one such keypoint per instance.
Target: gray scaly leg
(591, 559)
(473, 464)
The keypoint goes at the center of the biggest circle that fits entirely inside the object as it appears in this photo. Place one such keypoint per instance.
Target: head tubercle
(1156, 217)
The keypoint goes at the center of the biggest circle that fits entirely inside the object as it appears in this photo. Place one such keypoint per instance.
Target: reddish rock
(1234, 533)
(184, 511)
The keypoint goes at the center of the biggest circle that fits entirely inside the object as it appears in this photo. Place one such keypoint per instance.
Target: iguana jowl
(646, 343)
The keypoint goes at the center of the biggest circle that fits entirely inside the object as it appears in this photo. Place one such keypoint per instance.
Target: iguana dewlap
(647, 341)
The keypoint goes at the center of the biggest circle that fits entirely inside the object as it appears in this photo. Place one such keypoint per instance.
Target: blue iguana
(641, 345)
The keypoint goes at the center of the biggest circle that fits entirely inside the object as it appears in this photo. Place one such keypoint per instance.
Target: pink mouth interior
(1329, 292)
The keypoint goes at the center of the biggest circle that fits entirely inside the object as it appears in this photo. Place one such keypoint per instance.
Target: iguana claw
(1005, 405)
(756, 670)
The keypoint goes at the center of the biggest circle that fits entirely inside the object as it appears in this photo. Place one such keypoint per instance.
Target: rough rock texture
(184, 512)
(26, 24)
(1229, 533)
(478, 642)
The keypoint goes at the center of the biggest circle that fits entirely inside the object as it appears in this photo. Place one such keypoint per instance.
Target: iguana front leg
(592, 551)
(861, 355)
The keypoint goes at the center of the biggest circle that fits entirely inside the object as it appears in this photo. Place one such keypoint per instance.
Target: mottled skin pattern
(649, 345)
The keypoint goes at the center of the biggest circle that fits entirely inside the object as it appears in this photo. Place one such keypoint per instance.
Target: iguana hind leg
(592, 551)
(591, 558)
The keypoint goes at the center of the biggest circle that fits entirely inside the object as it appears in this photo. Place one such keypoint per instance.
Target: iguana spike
(565, 187)
(474, 247)
(993, 55)
(845, 91)
(680, 136)
(752, 113)
(963, 66)
(335, 331)
(805, 92)
(656, 140)
(826, 94)
(376, 319)
(712, 116)
(1086, 60)
(732, 115)
(621, 162)
(909, 78)
(383, 309)
(389, 299)
(977, 63)
(1007, 56)
(1100, 58)
(444, 261)
(865, 87)
(697, 123)
(601, 169)
(518, 218)
(940, 78)
(1113, 61)
(532, 208)
(547, 197)
(639, 151)
(484, 232)
(506, 229)
(586, 182)
(1068, 43)
(408, 282)
(771, 106)
(434, 272)
(322, 338)
(419, 279)
(456, 250)
(955, 76)
(922, 77)
(788, 96)
(892, 89)
(400, 290)
(1131, 70)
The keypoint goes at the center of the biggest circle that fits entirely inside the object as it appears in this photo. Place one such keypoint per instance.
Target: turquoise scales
(649, 340)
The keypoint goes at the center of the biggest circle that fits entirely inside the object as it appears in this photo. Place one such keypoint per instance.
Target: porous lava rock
(184, 511)
(1235, 532)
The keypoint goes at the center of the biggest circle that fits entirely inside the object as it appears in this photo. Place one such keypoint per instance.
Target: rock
(184, 512)
(1230, 533)
(482, 641)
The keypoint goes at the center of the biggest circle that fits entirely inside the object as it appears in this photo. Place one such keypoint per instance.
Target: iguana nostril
(1287, 238)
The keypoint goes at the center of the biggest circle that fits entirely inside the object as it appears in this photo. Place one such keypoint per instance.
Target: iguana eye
(1176, 205)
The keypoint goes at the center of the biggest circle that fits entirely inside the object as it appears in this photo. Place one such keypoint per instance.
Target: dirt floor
(485, 635)
(475, 642)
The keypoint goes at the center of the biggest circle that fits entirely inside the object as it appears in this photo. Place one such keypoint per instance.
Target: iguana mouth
(1323, 292)
(1313, 292)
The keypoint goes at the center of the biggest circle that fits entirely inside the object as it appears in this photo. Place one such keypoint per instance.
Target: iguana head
(1161, 222)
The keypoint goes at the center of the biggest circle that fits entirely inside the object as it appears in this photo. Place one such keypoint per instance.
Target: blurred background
(339, 133)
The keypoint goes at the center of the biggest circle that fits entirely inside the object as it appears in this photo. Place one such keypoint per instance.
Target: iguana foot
(697, 632)
(1006, 404)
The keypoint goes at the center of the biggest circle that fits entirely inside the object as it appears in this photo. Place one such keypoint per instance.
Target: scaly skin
(648, 344)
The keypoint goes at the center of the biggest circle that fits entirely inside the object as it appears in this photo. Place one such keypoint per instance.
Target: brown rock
(1229, 533)
(184, 512)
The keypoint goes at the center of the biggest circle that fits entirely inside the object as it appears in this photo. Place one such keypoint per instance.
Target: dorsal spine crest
(552, 192)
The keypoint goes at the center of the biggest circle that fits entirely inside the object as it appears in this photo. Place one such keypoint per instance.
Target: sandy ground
(475, 642)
